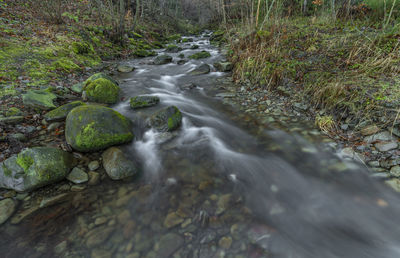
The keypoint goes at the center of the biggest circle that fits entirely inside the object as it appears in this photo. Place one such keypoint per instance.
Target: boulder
(35, 167)
(143, 101)
(7, 208)
(125, 68)
(60, 113)
(166, 120)
(202, 69)
(162, 59)
(93, 127)
(102, 91)
(39, 99)
(117, 165)
(223, 66)
(13, 111)
(11, 120)
(194, 46)
(173, 49)
(200, 55)
(99, 76)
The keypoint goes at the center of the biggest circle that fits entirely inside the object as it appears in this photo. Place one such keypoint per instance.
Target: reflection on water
(210, 189)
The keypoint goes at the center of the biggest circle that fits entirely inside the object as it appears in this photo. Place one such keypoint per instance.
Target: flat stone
(368, 130)
(11, 120)
(389, 162)
(60, 113)
(40, 99)
(94, 178)
(168, 245)
(97, 236)
(77, 176)
(93, 165)
(49, 201)
(172, 220)
(225, 95)
(7, 208)
(61, 247)
(78, 188)
(125, 68)
(382, 136)
(386, 146)
(117, 165)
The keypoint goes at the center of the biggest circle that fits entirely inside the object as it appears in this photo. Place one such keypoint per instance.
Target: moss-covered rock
(77, 88)
(92, 128)
(13, 111)
(35, 167)
(173, 48)
(176, 37)
(125, 68)
(98, 76)
(166, 120)
(39, 99)
(66, 65)
(202, 69)
(223, 66)
(143, 101)
(81, 48)
(194, 46)
(102, 91)
(144, 53)
(162, 59)
(200, 55)
(60, 113)
(117, 165)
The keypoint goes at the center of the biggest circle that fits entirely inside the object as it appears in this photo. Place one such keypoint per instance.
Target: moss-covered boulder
(162, 59)
(144, 53)
(102, 91)
(194, 46)
(117, 165)
(34, 168)
(223, 66)
(77, 88)
(13, 111)
(98, 76)
(200, 55)
(93, 127)
(166, 120)
(60, 113)
(173, 48)
(202, 69)
(143, 101)
(39, 99)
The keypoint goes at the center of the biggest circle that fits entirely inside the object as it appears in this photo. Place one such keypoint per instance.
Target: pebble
(93, 165)
(168, 244)
(100, 221)
(225, 242)
(7, 208)
(368, 130)
(97, 236)
(395, 171)
(172, 220)
(77, 176)
(94, 178)
(78, 188)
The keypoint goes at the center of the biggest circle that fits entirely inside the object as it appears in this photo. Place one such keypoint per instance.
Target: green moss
(102, 91)
(81, 48)
(65, 64)
(200, 55)
(144, 53)
(7, 171)
(143, 101)
(13, 111)
(98, 76)
(174, 37)
(175, 120)
(25, 161)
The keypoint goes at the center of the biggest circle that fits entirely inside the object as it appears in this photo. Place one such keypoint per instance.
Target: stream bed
(221, 186)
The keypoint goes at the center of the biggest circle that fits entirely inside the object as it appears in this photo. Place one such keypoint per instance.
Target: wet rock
(102, 91)
(53, 126)
(125, 68)
(387, 163)
(39, 99)
(77, 88)
(172, 220)
(92, 128)
(143, 101)
(94, 178)
(386, 146)
(61, 247)
(35, 167)
(225, 242)
(162, 59)
(166, 120)
(225, 95)
(19, 137)
(78, 176)
(373, 163)
(368, 130)
(97, 236)
(78, 188)
(182, 61)
(100, 253)
(194, 46)
(60, 113)
(21, 215)
(223, 203)
(7, 208)
(394, 183)
(117, 165)
(49, 201)
(208, 237)
(173, 49)
(168, 245)
(11, 120)
(188, 86)
(382, 136)
(395, 171)
(200, 55)
(223, 66)
(93, 165)
(202, 69)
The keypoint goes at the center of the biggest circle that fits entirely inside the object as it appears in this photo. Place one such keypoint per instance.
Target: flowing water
(215, 188)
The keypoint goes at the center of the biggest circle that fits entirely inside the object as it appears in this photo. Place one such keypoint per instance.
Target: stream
(215, 188)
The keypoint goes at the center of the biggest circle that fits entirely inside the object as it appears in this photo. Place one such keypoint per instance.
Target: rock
(181, 62)
(97, 236)
(173, 49)
(394, 183)
(202, 69)
(162, 59)
(223, 203)
(168, 245)
(93, 165)
(225, 242)
(102, 91)
(194, 46)
(386, 146)
(382, 136)
(223, 66)
(368, 130)
(60, 113)
(125, 68)
(94, 178)
(100, 253)
(117, 165)
(53, 126)
(99, 76)
(11, 120)
(13, 111)
(49, 201)
(77, 176)
(166, 120)
(200, 55)
(143, 101)
(172, 220)
(92, 128)
(387, 163)
(19, 137)
(77, 88)
(39, 99)
(78, 188)
(7, 208)
(225, 95)
(21, 215)
(188, 86)
(395, 171)
(35, 167)
(61, 247)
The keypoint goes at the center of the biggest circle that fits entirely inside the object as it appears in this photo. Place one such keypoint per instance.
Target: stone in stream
(7, 208)
(200, 55)
(60, 113)
(162, 59)
(181, 62)
(202, 69)
(34, 168)
(168, 245)
(39, 99)
(173, 49)
(382, 136)
(125, 68)
(93, 165)
(368, 130)
(98, 76)
(117, 165)
(223, 66)
(93, 127)
(143, 101)
(102, 91)
(194, 46)
(166, 120)
(386, 146)
(78, 176)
